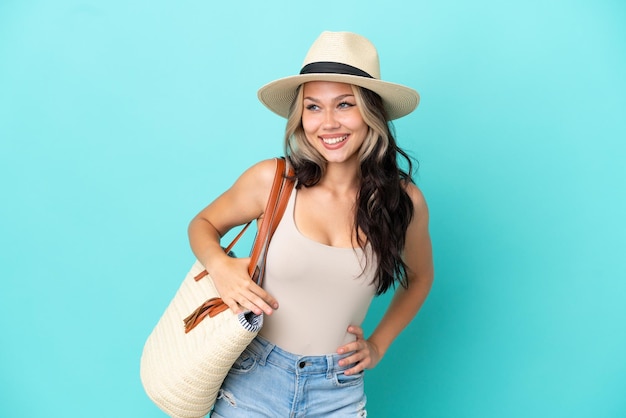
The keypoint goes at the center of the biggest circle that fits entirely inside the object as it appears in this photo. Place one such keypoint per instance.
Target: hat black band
(329, 67)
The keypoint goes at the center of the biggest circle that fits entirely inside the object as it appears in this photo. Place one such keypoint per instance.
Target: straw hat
(342, 57)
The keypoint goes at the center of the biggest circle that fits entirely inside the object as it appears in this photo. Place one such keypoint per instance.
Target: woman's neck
(341, 178)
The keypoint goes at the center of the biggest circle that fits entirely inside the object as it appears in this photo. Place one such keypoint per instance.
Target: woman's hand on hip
(365, 354)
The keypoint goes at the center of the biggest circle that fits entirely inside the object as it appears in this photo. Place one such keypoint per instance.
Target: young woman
(355, 226)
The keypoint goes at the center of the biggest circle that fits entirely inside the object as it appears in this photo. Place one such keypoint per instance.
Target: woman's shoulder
(262, 170)
(417, 197)
(258, 178)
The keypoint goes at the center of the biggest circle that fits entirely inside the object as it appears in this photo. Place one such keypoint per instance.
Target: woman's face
(332, 122)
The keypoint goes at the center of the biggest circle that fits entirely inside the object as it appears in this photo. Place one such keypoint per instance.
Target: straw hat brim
(398, 100)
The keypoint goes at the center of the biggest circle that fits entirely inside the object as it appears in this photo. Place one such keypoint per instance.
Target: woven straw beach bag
(194, 344)
(182, 372)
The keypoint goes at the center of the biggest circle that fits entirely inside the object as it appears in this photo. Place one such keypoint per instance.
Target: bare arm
(243, 202)
(406, 302)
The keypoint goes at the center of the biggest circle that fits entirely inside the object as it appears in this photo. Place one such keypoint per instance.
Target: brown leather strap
(277, 202)
(273, 214)
(210, 307)
(265, 229)
(277, 185)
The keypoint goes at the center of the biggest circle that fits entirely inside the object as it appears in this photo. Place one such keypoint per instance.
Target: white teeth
(331, 141)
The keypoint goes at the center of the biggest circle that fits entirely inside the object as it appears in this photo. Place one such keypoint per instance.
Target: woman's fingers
(257, 300)
(262, 300)
(363, 354)
(247, 296)
(238, 291)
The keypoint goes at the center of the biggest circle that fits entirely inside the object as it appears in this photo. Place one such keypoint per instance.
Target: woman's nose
(330, 120)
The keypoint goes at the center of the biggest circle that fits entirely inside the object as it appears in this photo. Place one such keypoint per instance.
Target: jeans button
(301, 364)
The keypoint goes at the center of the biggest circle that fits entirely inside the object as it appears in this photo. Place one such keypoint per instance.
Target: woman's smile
(334, 141)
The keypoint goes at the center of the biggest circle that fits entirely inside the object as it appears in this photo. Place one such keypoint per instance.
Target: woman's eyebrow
(336, 99)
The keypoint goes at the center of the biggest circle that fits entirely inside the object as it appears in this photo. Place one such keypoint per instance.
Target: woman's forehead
(326, 87)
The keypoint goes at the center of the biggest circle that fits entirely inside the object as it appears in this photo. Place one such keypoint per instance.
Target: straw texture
(343, 48)
(182, 372)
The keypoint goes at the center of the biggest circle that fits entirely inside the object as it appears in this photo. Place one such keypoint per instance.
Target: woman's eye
(312, 107)
(344, 105)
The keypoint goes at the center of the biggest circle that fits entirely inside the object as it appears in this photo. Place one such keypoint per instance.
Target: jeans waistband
(325, 364)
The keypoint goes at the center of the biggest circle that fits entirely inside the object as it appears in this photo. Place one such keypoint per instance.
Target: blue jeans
(267, 381)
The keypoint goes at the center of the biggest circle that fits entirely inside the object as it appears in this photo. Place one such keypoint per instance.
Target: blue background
(120, 120)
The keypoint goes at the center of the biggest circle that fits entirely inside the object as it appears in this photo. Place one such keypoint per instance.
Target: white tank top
(320, 290)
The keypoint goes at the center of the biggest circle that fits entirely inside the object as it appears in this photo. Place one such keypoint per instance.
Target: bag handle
(274, 210)
(279, 194)
(277, 202)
